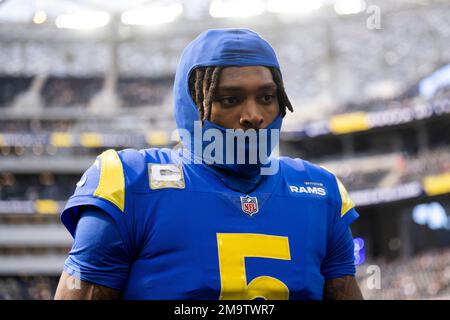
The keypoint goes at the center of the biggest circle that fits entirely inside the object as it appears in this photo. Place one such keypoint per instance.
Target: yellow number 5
(233, 249)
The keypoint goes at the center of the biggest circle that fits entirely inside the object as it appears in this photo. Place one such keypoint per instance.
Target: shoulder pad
(111, 175)
(292, 164)
(111, 181)
(304, 169)
(159, 155)
(345, 202)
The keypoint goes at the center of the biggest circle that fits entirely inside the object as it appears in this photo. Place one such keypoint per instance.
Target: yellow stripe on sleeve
(111, 185)
(347, 203)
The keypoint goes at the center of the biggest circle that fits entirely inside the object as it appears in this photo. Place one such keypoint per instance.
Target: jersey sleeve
(107, 185)
(98, 254)
(339, 260)
(346, 207)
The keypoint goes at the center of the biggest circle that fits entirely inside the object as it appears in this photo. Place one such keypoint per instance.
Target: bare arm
(344, 288)
(70, 288)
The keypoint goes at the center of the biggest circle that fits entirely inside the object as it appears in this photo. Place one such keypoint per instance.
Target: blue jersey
(178, 230)
(185, 235)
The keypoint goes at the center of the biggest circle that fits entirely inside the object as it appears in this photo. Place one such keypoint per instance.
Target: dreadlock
(203, 83)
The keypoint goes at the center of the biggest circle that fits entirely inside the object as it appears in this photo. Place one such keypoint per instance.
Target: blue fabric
(243, 177)
(98, 254)
(217, 47)
(170, 232)
(340, 258)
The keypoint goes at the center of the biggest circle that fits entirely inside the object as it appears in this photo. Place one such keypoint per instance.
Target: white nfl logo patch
(249, 205)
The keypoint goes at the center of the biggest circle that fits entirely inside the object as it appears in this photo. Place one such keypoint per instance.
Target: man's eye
(229, 100)
(268, 98)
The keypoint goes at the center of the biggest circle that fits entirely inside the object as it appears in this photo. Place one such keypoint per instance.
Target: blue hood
(216, 47)
(220, 47)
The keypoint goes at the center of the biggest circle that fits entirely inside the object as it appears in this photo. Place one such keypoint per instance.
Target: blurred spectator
(31, 187)
(10, 87)
(9, 189)
(27, 288)
(432, 162)
(70, 91)
(47, 187)
(137, 92)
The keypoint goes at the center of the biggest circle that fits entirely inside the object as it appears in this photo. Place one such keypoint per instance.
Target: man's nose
(251, 116)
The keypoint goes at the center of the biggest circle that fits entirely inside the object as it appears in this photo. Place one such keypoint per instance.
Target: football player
(162, 224)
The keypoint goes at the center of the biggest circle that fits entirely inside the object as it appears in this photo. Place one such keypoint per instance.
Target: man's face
(246, 97)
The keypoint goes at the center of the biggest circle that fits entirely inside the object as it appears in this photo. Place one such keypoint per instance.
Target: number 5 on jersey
(233, 249)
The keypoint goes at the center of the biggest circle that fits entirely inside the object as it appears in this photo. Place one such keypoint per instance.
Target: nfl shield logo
(249, 205)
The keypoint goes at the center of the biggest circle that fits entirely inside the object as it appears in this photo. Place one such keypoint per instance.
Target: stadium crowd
(424, 276)
(27, 287)
(431, 162)
(31, 187)
(78, 91)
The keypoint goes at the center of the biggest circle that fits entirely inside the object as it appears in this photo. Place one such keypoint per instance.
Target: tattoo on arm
(70, 288)
(344, 288)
